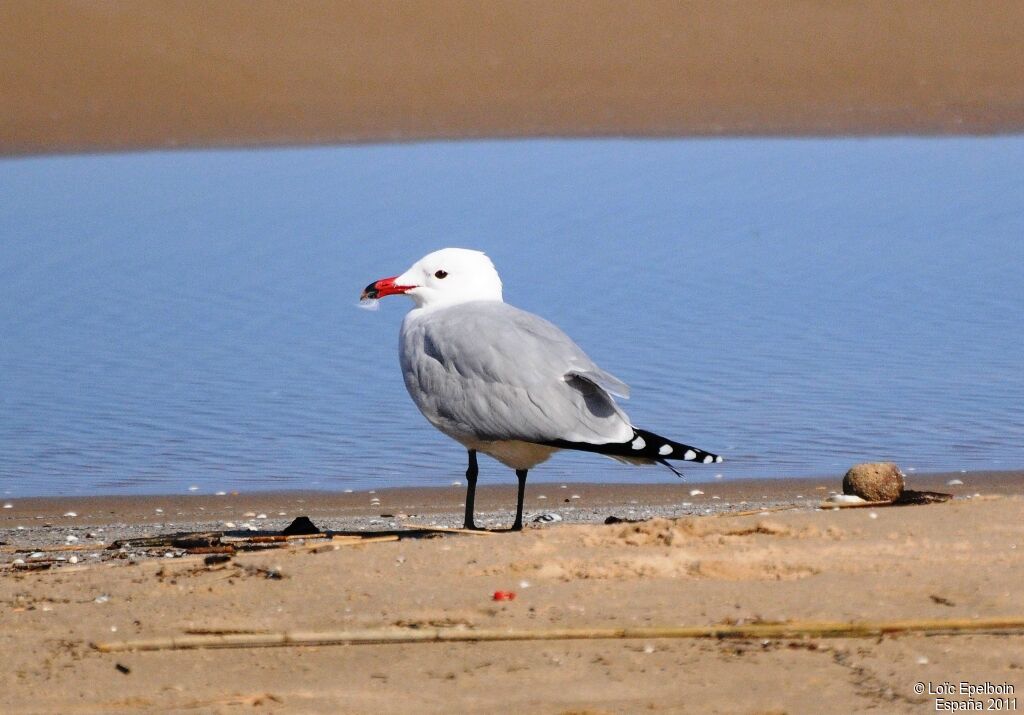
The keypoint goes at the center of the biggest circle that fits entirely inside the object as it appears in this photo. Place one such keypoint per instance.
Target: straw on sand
(793, 629)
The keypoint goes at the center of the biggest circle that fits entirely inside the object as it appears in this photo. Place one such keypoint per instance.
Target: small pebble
(159, 510)
(102, 598)
(872, 514)
(73, 560)
(575, 496)
(229, 524)
(922, 660)
(261, 516)
(70, 538)
(695, 492)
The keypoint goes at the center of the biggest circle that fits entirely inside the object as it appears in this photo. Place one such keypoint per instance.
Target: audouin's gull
(505, 382)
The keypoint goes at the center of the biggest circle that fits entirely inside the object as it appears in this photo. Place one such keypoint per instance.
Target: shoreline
(99, 520)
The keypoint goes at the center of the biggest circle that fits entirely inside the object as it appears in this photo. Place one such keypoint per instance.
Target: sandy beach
(761, 552)
(124, 75)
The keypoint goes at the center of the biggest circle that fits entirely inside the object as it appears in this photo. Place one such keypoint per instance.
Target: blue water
(188, 319)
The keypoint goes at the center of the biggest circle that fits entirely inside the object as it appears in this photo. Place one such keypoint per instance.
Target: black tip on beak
(370, 292)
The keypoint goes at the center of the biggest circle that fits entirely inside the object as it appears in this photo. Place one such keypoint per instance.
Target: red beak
(383, 287)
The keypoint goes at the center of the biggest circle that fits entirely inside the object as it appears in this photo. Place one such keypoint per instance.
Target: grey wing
(488, 371)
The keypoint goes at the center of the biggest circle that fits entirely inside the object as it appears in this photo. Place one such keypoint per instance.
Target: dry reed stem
(793, 629)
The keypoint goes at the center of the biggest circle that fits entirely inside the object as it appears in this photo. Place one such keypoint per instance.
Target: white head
(441, 278)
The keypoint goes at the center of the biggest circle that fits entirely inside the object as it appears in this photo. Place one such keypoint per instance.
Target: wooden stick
(272, 538)
(47, 549)
(338, 542)
(794, 629)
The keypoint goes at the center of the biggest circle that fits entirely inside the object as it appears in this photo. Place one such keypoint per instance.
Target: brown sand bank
(120, 74)
(959, 560)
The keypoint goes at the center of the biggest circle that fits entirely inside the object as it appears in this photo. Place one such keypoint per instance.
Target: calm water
(188, 319)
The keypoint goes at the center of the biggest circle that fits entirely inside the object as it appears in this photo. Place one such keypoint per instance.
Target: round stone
(874, 481)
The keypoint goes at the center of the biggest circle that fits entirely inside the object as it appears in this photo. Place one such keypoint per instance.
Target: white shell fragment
(845, 499)
(547, 518)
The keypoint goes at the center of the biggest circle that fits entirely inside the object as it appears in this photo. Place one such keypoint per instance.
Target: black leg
(521, 475)
(471, 472)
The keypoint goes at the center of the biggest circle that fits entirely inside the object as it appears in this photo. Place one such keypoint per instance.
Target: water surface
(170, 320)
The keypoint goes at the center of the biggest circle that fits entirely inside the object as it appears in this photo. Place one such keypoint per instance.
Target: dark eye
(440, 274)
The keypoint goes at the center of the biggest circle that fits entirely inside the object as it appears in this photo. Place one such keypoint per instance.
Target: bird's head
(445, 277)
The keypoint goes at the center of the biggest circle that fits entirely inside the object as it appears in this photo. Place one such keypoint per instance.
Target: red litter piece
(504, 595)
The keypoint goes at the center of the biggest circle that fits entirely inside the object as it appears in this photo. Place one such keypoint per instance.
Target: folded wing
(485, 370)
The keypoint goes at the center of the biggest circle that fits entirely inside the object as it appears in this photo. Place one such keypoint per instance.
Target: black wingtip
(645, 445)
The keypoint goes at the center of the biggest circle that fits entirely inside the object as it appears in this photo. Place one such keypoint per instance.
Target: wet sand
(962, 559)
(44, 517)
(122, 75)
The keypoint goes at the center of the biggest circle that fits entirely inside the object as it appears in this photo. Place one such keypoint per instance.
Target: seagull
(505, 382)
